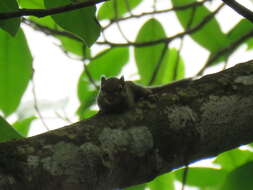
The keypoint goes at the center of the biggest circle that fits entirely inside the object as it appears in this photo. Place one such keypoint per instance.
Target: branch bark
(243, 11)
(47, 12)
(183, 124)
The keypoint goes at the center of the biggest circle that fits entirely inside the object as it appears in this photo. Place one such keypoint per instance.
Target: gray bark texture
(162, 132)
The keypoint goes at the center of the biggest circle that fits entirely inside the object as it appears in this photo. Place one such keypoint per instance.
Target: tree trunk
(164, 131)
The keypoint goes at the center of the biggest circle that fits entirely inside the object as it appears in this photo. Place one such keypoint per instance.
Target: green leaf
(31, 4)
(210, 177)
(108, 63)
(7, 132)
(233, 158)
(71, 45)
(68, 44)
(210, 35)
(15, 69)
(137, 187)
(23, 126)
(171, 69)
(163, 182)
(89, 99)
(240, 178)
(89, 113)
(45, 21)
(107, 10)
(147, 57)
(250, 44)
(241, 28)
(9, 25)
(81, 22)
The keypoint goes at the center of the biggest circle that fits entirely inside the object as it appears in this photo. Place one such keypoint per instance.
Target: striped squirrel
(117, 95)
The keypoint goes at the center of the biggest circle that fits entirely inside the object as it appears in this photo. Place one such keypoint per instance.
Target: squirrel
(117, 95)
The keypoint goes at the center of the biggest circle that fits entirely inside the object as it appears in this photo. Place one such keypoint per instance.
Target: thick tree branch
(180, 124)
(47, 12)
(243, 11)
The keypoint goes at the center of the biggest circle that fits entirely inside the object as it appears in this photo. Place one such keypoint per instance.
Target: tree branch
(175, 8)
(168, 39)
(47, 12)
(222, 52)
(243, 11)
(49, 31)
(183, 122)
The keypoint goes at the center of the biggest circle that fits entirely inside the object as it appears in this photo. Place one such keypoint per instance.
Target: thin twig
(49, 31)
(121, 32)
(63, 117)
(115, 8)
(176, 8)
(177, 60)
(103, 34)
(128, 7)
(154, 5)
(225, 65)
(182, 42)
(36, 107)
(158, 65)
(51, 11)
(185, 173)
(165, 40)
(243, 11)
(225, 50)
(53, 32)
(90, 78)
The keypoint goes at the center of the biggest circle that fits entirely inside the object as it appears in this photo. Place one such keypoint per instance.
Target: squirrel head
(115, 95)
(112, 85)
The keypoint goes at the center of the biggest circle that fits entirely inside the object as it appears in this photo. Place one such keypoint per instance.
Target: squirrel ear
(122, 78)
(103, 79)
